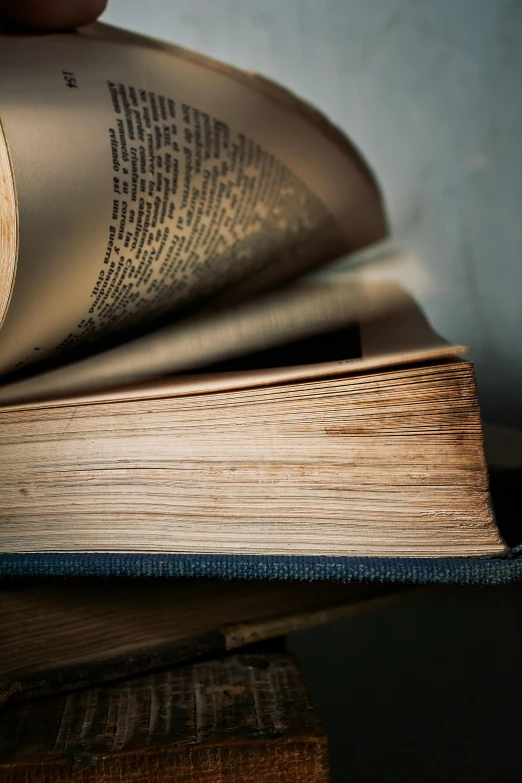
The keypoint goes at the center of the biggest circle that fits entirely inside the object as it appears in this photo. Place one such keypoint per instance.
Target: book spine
(241, 718)
(414, 570)
(273, 762)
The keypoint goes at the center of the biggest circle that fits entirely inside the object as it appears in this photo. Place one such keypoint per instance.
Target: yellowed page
(384, 464)
(301, 309)
(148, 179)
(393, 331)
(8, 227)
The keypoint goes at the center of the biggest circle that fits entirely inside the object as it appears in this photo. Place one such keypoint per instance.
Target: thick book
(58, 636)
(178, 392)
(241, 719)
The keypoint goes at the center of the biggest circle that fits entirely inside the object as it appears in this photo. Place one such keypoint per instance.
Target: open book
(174, 381)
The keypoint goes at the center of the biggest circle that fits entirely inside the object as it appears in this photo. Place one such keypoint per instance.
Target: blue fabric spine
(450, 570)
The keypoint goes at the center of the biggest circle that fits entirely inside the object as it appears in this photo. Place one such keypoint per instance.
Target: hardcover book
(62, 635)
(243, 718)
(180, 394)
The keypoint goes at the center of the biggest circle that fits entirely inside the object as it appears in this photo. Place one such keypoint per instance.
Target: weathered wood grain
(240, 718)
(66, 635)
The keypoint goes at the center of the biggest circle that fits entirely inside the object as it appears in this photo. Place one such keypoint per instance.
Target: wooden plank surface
(240, 718)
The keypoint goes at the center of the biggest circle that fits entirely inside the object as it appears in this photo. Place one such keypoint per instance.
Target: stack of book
(184, 396)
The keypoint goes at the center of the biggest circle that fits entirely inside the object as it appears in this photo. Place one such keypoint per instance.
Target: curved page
(149, 179)
(393, 331)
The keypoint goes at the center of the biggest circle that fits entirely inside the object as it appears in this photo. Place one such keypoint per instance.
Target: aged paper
(300, 309)
(149, 180)
(393, 331)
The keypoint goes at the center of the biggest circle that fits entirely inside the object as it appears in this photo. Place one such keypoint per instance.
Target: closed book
(60, 635)
(241, 719)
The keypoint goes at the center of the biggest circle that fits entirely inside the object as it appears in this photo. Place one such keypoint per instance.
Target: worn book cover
(242, 718)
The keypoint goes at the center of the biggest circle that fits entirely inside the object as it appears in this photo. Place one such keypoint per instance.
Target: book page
(393, 331)
(298, 310)
(149, 180)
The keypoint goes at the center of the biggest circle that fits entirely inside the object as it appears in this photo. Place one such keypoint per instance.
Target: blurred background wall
(430, 91)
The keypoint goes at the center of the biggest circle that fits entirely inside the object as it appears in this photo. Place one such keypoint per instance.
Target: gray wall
(430, 92)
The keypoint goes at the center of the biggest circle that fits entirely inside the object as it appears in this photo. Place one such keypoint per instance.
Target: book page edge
(182, 386)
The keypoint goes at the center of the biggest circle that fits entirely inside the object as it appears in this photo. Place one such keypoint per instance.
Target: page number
(69, 79)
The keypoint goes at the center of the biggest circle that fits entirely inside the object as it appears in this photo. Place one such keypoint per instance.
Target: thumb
(50, 14)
